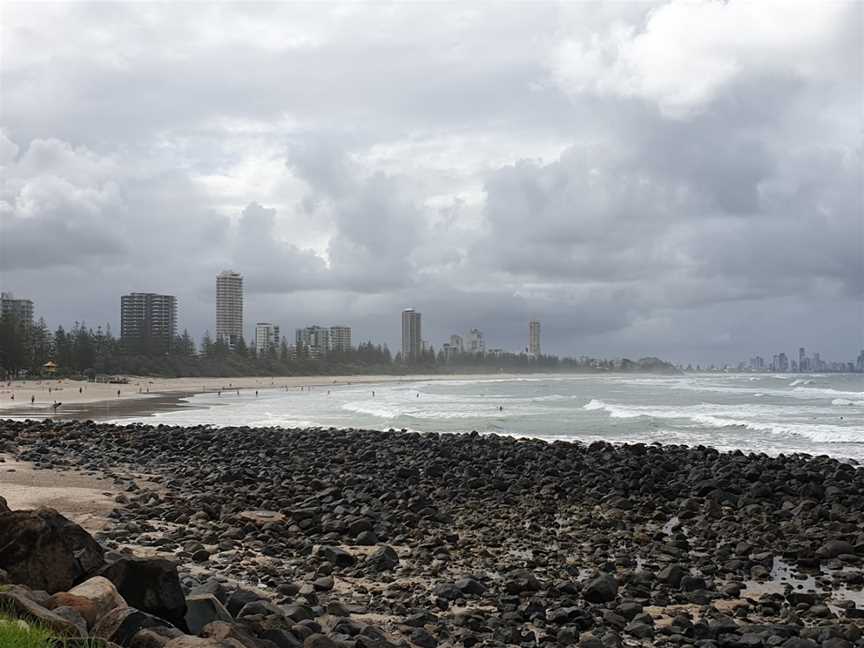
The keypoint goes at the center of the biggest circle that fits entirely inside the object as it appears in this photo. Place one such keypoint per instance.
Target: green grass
(15, 635)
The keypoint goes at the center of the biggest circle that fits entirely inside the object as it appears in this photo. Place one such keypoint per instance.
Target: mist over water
(816, 414)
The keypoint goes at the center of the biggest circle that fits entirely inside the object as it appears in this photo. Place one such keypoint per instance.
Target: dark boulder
(46, 551)
(151, 585)
(602, 589)
(120, 625)
(335, 555)
(834, 548)
(384, 558)
(203, 609)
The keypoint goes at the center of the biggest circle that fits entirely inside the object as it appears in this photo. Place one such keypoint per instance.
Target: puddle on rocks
(784, 574)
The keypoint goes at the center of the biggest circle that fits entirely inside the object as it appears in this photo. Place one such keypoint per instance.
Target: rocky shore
(364, 539)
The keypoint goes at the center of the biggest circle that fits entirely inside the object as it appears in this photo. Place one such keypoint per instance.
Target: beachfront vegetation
(88, 352)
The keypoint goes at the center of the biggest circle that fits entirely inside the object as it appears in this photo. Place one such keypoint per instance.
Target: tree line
(25, 348)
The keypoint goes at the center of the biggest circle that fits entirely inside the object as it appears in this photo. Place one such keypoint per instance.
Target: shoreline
(556, 543)
(143, 390)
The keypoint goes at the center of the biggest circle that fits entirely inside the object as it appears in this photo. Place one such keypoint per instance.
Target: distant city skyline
(341, 337)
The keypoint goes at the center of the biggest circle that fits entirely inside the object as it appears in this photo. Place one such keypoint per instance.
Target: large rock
(81, 605)
(120, 625)
(17, 602)
(602, 589)
(834, 548)
(151, 585)
(203, 609)
(384, 558)
(335, 555)
(224, 630)
(46, 551)
(101, 593)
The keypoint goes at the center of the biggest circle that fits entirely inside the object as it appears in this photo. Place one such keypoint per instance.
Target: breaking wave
(719, 417)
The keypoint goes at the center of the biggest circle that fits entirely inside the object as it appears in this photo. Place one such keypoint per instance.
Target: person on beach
(32, 400)
(118, 393)
(80, 390)
(56, 405)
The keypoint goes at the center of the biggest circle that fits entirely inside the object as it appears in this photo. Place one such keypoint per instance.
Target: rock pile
(354, 538)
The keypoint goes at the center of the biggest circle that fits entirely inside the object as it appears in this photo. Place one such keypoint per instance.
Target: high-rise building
(20, 309)
(456, 344)
(411, 335)
(148, 322)
(313, 341)
(802, 359)
(534, 338)
(229, 307)
(476, 343)
(340, 338)
(266, 337)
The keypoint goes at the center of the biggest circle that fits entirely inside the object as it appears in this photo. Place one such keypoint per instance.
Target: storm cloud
(681, 179)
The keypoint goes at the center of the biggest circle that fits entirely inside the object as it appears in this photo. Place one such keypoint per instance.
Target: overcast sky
(672, 179)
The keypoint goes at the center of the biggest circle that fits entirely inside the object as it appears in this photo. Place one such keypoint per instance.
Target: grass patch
(15, 635)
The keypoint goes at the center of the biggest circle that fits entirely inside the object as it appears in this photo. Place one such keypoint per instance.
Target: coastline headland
(356, 538)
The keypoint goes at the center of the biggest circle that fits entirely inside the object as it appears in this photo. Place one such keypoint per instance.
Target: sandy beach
(83, 498)
(141, 395)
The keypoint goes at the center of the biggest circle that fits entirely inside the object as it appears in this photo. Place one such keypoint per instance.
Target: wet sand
(105, 410)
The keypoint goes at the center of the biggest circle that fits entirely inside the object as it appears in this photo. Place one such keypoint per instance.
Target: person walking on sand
(32, 400)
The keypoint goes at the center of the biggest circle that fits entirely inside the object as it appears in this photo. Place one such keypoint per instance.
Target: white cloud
(688, 51)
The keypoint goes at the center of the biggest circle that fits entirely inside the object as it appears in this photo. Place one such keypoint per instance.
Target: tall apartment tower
(411, 335)
(475, 343)
(534, 338)
(340, 338)
(313, 340)
(20, 309)
(266, 337)
(148, 322)
(229, 307)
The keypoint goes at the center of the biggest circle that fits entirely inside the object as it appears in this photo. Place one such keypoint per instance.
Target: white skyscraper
(475, 342)
(534, 338)
(266, 337)
(411, 335)
(313, 341)
(229, 307)
(340, 338)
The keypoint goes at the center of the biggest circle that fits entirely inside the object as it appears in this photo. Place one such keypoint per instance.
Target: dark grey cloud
(643, 178)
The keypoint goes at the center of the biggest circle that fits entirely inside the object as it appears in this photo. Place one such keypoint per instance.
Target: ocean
(771, 413)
